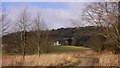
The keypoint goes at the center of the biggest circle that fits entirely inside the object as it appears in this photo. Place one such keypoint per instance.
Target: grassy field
(62, 49)
(59, 49)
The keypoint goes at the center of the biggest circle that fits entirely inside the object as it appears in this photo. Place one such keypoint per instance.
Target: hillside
(12, 41)
(74, 32)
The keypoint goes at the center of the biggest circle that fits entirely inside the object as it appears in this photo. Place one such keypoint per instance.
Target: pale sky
(58, 0)
(55, 14)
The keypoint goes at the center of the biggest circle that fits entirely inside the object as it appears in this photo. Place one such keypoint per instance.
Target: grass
(56, 56)
(43, 60)
(58, 49)
(62, 55)
(62, 49)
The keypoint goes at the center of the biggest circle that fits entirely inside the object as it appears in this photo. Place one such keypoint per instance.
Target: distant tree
(69, 40)
(53, 29)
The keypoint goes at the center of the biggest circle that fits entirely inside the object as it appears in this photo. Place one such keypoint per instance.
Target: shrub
(96, 43)
(112, 48)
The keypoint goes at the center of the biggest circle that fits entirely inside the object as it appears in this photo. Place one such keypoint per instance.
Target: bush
(112, 48)
(96, 43)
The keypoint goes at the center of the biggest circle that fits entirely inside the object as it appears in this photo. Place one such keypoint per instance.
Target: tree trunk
(119, 30)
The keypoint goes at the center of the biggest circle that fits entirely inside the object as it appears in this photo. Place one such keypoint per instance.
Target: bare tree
(23, 21)
(104, 15)
(38, 23)
(42, 35)
(107, 16)
(4, 26)
(119, 27)
(5, 22)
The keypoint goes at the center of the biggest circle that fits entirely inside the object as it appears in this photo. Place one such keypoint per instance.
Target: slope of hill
(12, 41)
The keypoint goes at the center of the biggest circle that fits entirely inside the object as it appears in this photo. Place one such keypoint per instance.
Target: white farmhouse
(57, 43)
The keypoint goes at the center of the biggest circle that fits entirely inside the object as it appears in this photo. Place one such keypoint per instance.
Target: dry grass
(0, 61)
(108, 59)
(62, 59)
(43, 60)
(34, 60)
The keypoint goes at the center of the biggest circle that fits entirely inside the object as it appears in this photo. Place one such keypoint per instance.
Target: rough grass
(87, 58)
(109, 59)
(63, 56)
(63, 59)
(57, 56)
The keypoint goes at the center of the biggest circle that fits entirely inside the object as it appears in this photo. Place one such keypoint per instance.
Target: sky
(54, 14)
(60, 0)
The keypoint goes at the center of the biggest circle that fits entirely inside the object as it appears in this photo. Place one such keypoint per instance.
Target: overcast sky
(55, 14)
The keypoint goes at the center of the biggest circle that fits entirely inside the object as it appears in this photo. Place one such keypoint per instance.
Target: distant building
(63, 42)
(56, 43)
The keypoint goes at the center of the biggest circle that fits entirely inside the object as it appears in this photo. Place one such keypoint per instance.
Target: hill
(80, 36)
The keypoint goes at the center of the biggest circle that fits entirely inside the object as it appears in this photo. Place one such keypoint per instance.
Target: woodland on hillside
(82, 36)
